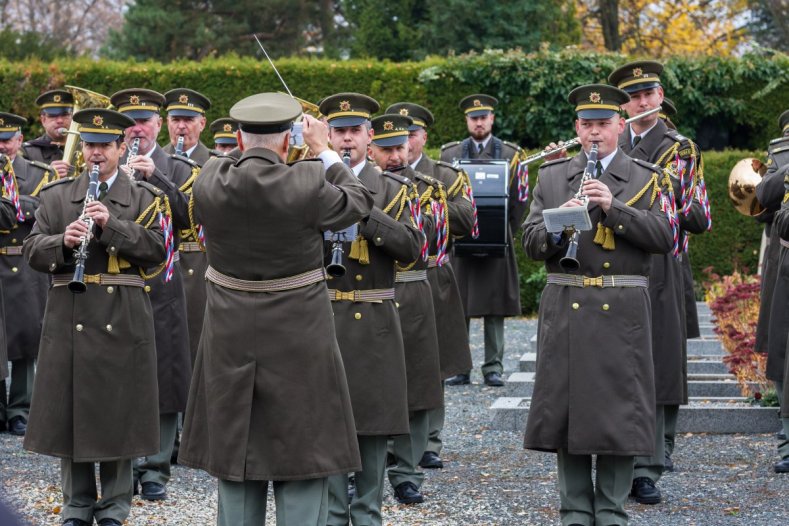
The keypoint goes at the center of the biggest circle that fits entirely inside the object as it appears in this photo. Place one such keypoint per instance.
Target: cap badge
(594, 97)
(404, 111)
(637, 72)
(97, 120)
(183, 99)
(227, 128)
(477, 103)
(56, 98)
(388, 126)
(345, 106)
(134, 99)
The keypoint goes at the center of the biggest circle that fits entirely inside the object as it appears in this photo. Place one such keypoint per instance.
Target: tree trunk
(609, 21)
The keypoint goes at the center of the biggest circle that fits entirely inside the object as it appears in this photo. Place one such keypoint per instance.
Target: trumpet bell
(744, 177)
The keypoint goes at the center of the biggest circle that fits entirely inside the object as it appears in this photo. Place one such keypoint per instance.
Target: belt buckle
(593, 282)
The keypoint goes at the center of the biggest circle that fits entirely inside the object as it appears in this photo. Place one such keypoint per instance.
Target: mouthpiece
(62, 132)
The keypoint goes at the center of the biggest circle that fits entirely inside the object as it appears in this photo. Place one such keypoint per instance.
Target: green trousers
(601, 503)
(494, 343)
(783, 447)
(408, 450)
(670, 415)
(652, 467)
(80, 498)
(156, 468)
(20, 391)
(298, 502)
(435, 425)
(365, 509)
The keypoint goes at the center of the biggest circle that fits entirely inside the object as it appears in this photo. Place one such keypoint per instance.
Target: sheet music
(569, 217)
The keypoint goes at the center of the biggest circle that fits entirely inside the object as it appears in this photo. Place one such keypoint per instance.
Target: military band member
(224, 131)
(186, 118)
(24, 290)
(586, 401)
(365, 315)
(488, 285)
(174, 365)
(95, 395)
(649, 139)
(269, 399)
(779, 320)
(55, 111)
(7, 222)
(454, 351)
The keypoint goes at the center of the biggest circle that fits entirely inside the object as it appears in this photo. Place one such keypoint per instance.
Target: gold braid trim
(187, 186)
(456, 187)
(44, 181)
(414, 194)
(159, 205)
(514, 165)
(359, 248)
(605, 235)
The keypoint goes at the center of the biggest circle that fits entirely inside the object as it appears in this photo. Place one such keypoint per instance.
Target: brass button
(620, 227)
(13, 240)
(576, 306)
(606, 265)
(358, 315)
(14, 269)
(605, 306)
(110, 290)
(397, 304)
(112, 249)
(359, 277)
(147, 288)
(109, 328)
(52, 266)
(27, 214)
(191, 272)
(378, 240)
(79, 327)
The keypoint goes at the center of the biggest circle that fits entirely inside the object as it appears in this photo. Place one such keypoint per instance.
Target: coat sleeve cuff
(618, 217)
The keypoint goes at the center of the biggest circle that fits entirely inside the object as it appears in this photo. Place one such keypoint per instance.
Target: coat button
(110, 290)
(359, 277)
(27, 214)
(13, 240)
(112, 249)
(109, 328)
(606, 265)
(52, 266)
(620, 227)
(378, 240)
(14, 269)
(605, 306)
(147, 288)
(79, 327)
(191, 272)
(576, 306)
(358, 315)
(397, 304)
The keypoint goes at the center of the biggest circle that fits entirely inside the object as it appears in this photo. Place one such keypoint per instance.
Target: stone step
(707, 329)
(705, 347)
(696, 364)
(703, 415)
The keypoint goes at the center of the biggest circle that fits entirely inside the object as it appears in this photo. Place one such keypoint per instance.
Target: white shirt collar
(413, 164)
(359, 167)
(484, 143)
(111, 180)
(605, 161)
(188, 152)
(642, 134)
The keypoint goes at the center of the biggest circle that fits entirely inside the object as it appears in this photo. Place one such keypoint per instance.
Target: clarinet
(336, 268)
(133, 149)
(179, 145)
(77, 284)
(569, 263)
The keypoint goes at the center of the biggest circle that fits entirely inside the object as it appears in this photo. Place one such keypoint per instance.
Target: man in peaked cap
(585, 403)
(454, 351)
(489, 286)
(269, 400)
(95, 394)
(224, 131)
(55, 111)
(174, 364)
(649, 139)
(24, 290)
(186, 118)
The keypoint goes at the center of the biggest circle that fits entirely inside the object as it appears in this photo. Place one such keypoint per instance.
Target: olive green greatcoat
(369, 334)
(779, 309)
(454, 350)
(95, 393)
(594, 389)
(269, 399)
(489, 286)
(667, 284)
(7, 222)
(24, 289)
(42, 149)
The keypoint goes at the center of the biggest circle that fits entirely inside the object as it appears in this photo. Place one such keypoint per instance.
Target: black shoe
(75, 522)
(782, 466)
(406, 493)
(494, 380)
(644, 491)
(109, 522)
(351, 488)
(668, 464)
(153, 491)
(431, 460)
(780, 435)
(390, 460)
(17, 426)
(135, 486)
(458, 379)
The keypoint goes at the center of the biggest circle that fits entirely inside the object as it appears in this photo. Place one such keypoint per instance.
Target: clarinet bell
(77, 284)
(336, 269)
(569, 264)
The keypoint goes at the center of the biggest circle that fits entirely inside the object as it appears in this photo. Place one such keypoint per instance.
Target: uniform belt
(190, 246)
(572, 280)
(11, 251)
(432, 261)
(410, 275)
(268, 285)
(784, 243)
(177, 256)
(129, 280)
(367, 296)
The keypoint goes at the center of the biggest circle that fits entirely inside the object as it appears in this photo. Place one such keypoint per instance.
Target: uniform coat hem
(263, 476)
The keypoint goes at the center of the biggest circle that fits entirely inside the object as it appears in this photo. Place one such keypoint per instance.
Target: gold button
(606, 264)
(359, 277)
(147, 288)
(191, 272)
(358, 315)
(79, 327)
(605, 306)
(13, 240)
(110, 290)
(112, 249)
(27, 213)
(397, 304)
(576, 306)
(52, 266)
(378, 240)
(621, 227)
(109, 328)
(14, 269)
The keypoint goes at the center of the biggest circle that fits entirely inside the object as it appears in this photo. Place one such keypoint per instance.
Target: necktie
(636, 140)
(598, 170)
(480, 148)
(102, 190)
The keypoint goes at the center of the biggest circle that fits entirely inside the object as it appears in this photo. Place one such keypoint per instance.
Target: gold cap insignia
(345, 105)
(404, 111)
(637, 72)
(56, 98)
(134, 99)
(594, 97)
(477, 102)
(227, 127)
(97, 120)
(183, 99)
(388, 126)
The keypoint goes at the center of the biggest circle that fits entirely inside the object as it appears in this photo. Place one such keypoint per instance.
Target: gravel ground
(488, 478)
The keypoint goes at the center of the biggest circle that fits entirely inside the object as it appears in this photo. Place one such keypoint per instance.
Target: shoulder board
(40, 165)
(184, 159)
(296, 161)
(27, 143)
(216, 153)
(148, 186)
(511, 145)
(428, 179)
(399, 178)
(546, 164)
(448, 165)
(449, 145)
(57, 182)
(650, 166)
(779, 140)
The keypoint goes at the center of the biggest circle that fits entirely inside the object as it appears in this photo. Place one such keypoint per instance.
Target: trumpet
(336, 269)
(77, 284)
(569, 263)
(83, 99)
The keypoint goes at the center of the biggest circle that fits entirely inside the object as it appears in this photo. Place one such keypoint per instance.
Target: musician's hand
(74, 233)
(98, 212)
(557, 155)
(598, 193)
(573, 202)
(142, 164)
(316, 134)
(61, 167)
